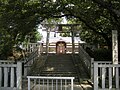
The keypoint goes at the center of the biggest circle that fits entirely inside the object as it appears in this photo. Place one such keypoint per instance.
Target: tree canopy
(19, 18)
(97, 17)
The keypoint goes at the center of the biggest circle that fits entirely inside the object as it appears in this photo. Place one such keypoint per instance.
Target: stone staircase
(59, 65)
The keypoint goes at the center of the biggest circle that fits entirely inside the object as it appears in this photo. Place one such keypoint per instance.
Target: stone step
(59, 61)
(59, 73)
(57, 68)
(62, 66)
(59, 64)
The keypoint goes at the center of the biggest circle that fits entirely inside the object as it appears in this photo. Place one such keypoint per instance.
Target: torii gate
(60, 26)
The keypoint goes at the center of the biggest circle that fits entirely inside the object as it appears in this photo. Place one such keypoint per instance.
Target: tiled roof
(65, 39)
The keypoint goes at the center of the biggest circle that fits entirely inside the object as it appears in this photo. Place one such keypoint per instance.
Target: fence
(31, 47)
(10, 75)
(50, 83)
(11, 71)
(99, 62)
(106, 76)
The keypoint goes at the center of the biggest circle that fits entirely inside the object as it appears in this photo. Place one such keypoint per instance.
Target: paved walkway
(75, 87)
(67, 87)
(41, 87)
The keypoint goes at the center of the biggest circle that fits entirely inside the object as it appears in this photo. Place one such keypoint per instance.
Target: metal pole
(28, 83)
(71, 84)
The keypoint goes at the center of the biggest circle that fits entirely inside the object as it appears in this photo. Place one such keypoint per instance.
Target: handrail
(86, 60)
(41, 62)
(28, 61)
(48, 83)
(30, 57)
(49, 77)
(76, 66)
(32, 49)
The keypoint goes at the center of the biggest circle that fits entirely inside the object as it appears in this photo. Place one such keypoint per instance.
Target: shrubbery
(101, 54)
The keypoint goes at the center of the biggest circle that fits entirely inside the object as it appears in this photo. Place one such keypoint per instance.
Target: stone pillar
(114, 50)
(19, 75)
(114, 47)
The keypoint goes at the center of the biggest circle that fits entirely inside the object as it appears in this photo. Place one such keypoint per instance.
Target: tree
(18, 18)
(100, 17)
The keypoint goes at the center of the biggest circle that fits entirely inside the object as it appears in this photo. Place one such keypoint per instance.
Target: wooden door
(60, 48)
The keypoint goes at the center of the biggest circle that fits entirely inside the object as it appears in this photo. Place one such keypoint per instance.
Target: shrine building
(55, 43)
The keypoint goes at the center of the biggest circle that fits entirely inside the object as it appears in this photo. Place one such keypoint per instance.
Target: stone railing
(85, 59)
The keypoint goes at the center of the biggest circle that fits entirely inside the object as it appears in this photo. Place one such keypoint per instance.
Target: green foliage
(19, 18)
(102, 55)
(90, 37)
(65, 34)
(98, 17)
(35, 36)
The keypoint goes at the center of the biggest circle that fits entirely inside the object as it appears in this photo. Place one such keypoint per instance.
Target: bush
(102, 55)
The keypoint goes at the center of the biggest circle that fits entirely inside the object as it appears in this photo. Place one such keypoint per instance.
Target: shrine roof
(65, 39)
